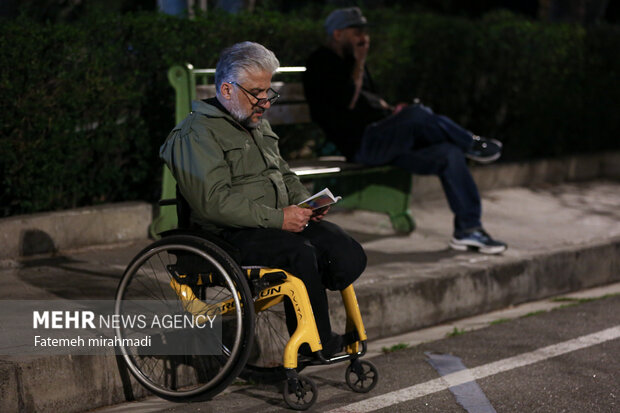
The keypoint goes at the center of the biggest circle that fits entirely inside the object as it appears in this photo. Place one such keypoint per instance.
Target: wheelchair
(195, 273)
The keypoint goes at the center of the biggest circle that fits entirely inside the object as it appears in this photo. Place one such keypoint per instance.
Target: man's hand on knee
(296, 218)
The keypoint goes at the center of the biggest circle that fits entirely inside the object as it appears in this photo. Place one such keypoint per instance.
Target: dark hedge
(85, 106)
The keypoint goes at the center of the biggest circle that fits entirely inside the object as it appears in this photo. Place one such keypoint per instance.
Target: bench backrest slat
(191, 84)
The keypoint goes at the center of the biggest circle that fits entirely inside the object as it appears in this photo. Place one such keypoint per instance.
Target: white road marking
(465, 376)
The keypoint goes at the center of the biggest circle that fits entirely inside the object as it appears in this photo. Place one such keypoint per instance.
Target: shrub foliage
(86, 105)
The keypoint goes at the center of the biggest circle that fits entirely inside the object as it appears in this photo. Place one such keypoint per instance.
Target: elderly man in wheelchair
(246, 252)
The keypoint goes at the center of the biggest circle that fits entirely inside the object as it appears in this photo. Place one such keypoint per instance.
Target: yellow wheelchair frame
(306, 331)
(264, 288)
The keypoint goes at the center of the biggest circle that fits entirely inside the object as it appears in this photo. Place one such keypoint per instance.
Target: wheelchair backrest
(183, 211)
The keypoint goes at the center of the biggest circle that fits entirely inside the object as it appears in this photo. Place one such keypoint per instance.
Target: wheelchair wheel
(271, 335)
(192, 363)
(300, 394)
(361, 376)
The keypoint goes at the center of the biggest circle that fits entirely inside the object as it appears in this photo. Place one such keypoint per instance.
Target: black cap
(343, 18)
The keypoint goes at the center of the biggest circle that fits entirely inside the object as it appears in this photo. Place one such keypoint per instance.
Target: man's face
(243, 103)
(350, 38)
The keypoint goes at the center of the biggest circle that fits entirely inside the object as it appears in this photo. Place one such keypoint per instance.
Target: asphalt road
(564, 360)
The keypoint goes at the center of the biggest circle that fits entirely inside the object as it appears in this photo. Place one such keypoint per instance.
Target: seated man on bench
(228, 167)
(367, 130)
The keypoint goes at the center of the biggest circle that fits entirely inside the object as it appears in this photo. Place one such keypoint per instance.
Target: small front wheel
(361, 376)
(300, 393)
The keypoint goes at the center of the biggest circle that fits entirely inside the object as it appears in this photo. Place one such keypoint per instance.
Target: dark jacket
(230, 176)
(329, 88)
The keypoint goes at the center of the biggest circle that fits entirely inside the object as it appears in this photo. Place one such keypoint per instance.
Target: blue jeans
(418, 140)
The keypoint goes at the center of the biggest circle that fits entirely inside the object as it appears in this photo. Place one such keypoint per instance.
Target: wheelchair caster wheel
(300, 393)
(361, 376)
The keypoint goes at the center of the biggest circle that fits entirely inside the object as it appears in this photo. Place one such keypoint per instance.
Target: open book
(320, 200)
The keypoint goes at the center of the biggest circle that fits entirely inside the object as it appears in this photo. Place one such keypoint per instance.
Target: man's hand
(399, 107)
(319, 213)
(360, 49)
(295, 218)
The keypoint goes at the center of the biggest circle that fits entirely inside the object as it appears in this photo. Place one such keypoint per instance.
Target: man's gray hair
(243, 57)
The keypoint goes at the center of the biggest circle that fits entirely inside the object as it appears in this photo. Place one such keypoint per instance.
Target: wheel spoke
(147, 278)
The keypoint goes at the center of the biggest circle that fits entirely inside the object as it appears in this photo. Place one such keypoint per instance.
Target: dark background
(86, 101)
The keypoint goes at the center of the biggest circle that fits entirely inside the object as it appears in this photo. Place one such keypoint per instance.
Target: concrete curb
(457, 292)
(537, 172)
(51, 232)
(78, 383)
(87, 382)
(393, 298)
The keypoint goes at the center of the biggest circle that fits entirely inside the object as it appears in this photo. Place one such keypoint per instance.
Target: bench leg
(403, 222)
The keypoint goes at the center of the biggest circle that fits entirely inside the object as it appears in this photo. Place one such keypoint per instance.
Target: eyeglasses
(272, 95)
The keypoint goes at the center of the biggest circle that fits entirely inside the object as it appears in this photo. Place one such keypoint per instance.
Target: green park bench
(379, 188)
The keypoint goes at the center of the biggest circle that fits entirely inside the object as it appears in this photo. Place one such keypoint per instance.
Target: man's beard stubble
(242, 117)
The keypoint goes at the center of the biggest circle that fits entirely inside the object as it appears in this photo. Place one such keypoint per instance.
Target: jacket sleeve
(297, 192)
(203, 175)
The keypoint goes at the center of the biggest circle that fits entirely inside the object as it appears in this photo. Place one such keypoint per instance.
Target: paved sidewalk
(561, 238)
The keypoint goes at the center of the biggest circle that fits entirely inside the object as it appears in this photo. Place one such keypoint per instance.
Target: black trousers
(322, 256)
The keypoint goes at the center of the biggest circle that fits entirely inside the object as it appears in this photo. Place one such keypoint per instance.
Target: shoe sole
(486, 159)
(498, 249)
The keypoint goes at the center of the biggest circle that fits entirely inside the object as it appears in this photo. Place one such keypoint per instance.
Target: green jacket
(230, 176)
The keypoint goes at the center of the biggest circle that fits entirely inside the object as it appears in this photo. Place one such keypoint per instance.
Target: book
(321, 199)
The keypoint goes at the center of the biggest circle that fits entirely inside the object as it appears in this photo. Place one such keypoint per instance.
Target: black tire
(303, 396)
(190, 374)
(361, 376)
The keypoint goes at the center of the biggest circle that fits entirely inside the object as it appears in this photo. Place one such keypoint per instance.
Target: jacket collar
(218, 111)
(209, 109)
